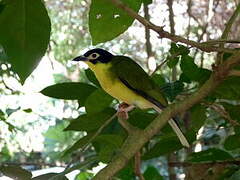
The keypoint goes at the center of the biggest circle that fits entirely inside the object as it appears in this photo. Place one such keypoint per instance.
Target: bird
(124, 79)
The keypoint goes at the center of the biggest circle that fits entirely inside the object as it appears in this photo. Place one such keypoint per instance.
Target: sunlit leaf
(24, 34)
(84, 176)
(103, 16)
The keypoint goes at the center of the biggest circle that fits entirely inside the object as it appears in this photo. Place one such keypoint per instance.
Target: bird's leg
(122, 113)
(123, 110)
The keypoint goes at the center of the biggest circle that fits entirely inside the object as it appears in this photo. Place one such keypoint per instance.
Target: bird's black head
(95, 56)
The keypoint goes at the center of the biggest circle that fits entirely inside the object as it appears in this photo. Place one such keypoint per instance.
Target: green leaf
(98, 101)
(171, 90)
(127, 172)
(24, 34)
(104, 15)
(78, 144)
(2, 6)
(192, 71)
(172, 62)
(110, 139)
(232, 142)
(235, 176)
(147, 2)
(209, 155)
(168, 144)
(15, 172)
(151, 173)
(184, 78)
(69, 90)
(84, 176)
(141, 118)
(29, 110)
(158, 79)
(228, 89)
(91, 77)
(188, 67)
(174, 49)
(106, 153)
(90, 122)
(198, 116)
(184, 50)
(233, 110)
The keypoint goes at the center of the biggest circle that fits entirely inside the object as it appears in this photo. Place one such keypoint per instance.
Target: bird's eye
(94, 56)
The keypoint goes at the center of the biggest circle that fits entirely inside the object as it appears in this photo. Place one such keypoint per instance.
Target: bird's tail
(176, 129)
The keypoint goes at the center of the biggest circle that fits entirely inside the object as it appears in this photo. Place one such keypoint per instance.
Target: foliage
(24, 39)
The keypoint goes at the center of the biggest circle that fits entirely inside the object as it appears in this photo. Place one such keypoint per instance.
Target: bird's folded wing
(136, 79)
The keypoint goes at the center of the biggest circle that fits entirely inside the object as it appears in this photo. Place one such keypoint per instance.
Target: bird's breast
(113, 86)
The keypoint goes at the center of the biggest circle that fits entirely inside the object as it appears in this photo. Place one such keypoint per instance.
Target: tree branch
(165, 34)
(139, 137)
(226, 32)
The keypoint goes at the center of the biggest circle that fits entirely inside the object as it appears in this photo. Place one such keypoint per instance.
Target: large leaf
(16, 172)
(228, 89)
(98, 101)
(110, 139)
(233, 111)
(232, 142)
(171, 90)
(141, 118)
(209, 155)
(167, 144)
(24, 34)
(107, 145)
(192, 71)
(235, 176)
(49, 176)
(78, 144)
(90, 122)
(198, 116)
(69, 90)
(151, 173)
(107, 21)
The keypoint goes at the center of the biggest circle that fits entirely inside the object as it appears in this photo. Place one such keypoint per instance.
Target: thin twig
(86, 146)
(137, 168)
(165, 34)
(186, 164)
(218, 108)
(226, 31)
(234, 73)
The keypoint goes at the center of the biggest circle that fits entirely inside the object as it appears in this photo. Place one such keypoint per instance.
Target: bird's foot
(123, 110)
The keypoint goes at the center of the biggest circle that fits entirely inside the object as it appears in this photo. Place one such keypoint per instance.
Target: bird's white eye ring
(93, 56)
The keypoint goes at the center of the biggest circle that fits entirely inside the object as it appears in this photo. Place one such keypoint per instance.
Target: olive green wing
(136, 79)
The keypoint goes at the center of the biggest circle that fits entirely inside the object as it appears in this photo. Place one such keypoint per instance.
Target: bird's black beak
(80, 58)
